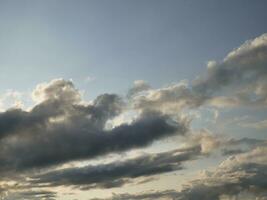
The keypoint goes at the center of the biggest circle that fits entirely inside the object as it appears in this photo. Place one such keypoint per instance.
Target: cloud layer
(240, 175)
(61, 128)
(240, 79)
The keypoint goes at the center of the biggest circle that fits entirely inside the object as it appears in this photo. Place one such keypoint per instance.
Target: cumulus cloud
(167, 194)
(244, 69)
(240, 79)
(60, 129)
(170, 99)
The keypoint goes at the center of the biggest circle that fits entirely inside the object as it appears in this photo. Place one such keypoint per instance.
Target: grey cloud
(167, 194)
(227, 152)
(209, 143)
(61, 128)
(243, 65)
(30, 195)
(171, 99)
(244, 69)
(118, 173)
(240, 79)
(247, 141)
(252, 179)
(243, 173)
(65, 142)
(237, 146)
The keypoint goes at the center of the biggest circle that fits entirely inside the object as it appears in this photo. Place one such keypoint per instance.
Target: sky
(136, 100)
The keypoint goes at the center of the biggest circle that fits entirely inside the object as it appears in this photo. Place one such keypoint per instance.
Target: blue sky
(117, 42)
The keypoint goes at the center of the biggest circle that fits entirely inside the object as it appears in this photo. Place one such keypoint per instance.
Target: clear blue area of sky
(119, 41)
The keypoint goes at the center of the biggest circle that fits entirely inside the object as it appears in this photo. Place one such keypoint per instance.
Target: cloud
(237, 146)
(167, 194)
(59, 89)
(47, 195)
(239, 79)
(118, 173)
(244, 69)
(61, 128)
(170, 99)
(243, 173)
(242, 65)
(139, 86)
(257, 125)
(207, 141)
(11, 98)
(211, 143)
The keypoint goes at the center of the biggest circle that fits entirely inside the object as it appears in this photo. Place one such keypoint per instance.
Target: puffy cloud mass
(240, 79)
(61, 128)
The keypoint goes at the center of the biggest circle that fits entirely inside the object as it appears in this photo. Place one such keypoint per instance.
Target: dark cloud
(64, 142)
(61, 128)
(119, 172)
